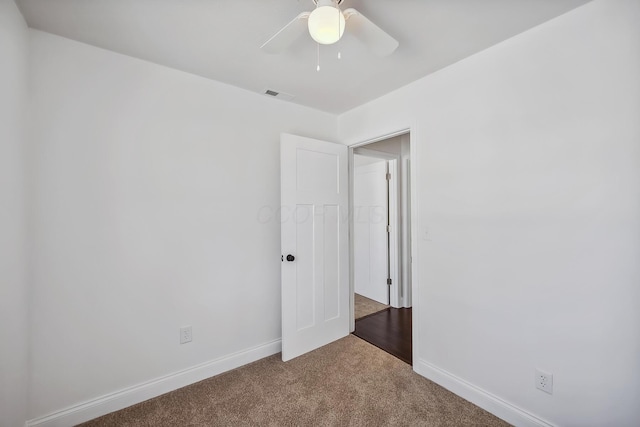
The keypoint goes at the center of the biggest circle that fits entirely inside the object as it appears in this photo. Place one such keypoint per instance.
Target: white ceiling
(221, 39)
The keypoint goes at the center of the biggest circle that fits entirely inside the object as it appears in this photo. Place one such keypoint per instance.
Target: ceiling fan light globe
(326, 23)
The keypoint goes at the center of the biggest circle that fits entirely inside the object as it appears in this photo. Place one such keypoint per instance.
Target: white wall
(13, 227)
(150, 185)
(528, 158)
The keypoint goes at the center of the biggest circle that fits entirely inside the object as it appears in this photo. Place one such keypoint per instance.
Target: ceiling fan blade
(287, 35)
(370, 34)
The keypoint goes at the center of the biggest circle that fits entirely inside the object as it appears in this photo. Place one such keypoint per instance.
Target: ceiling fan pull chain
(318, 57)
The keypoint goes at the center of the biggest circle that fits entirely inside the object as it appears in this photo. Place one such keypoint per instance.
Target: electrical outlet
(185, 335)
(544, 381)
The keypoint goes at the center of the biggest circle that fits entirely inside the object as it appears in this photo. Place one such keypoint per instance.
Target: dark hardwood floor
(389, 330)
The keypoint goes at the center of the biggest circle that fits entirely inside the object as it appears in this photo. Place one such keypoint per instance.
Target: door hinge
(388, 228)
(388, 177)
(388, 281)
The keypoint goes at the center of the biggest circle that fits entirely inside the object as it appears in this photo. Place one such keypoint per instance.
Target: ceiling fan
(326, 25)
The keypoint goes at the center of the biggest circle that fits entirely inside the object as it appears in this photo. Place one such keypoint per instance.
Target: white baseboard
(487, 401)
(115, 401)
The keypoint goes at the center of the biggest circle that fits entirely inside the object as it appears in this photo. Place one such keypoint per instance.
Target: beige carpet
(364, 306)
(346, 383)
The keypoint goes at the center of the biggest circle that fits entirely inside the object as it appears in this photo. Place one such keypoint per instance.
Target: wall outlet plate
(544, 381)
(185, 335)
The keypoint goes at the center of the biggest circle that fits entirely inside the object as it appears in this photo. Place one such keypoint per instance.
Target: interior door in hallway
(370, 233)
(314, 243)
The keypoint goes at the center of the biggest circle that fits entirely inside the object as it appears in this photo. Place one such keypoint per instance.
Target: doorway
(381, 244)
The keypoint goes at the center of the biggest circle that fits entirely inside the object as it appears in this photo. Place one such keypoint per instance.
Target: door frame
(393, 202)
(413, 191)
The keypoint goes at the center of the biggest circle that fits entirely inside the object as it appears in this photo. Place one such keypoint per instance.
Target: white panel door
(315, 244)
(370, 237)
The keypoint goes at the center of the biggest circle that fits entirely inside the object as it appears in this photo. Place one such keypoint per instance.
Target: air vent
(279, 95)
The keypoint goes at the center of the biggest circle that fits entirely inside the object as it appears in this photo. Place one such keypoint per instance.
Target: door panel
(305, 307)
(370, 235)
(315, 286)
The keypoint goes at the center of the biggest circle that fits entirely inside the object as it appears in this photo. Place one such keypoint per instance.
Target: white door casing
(314, 230)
